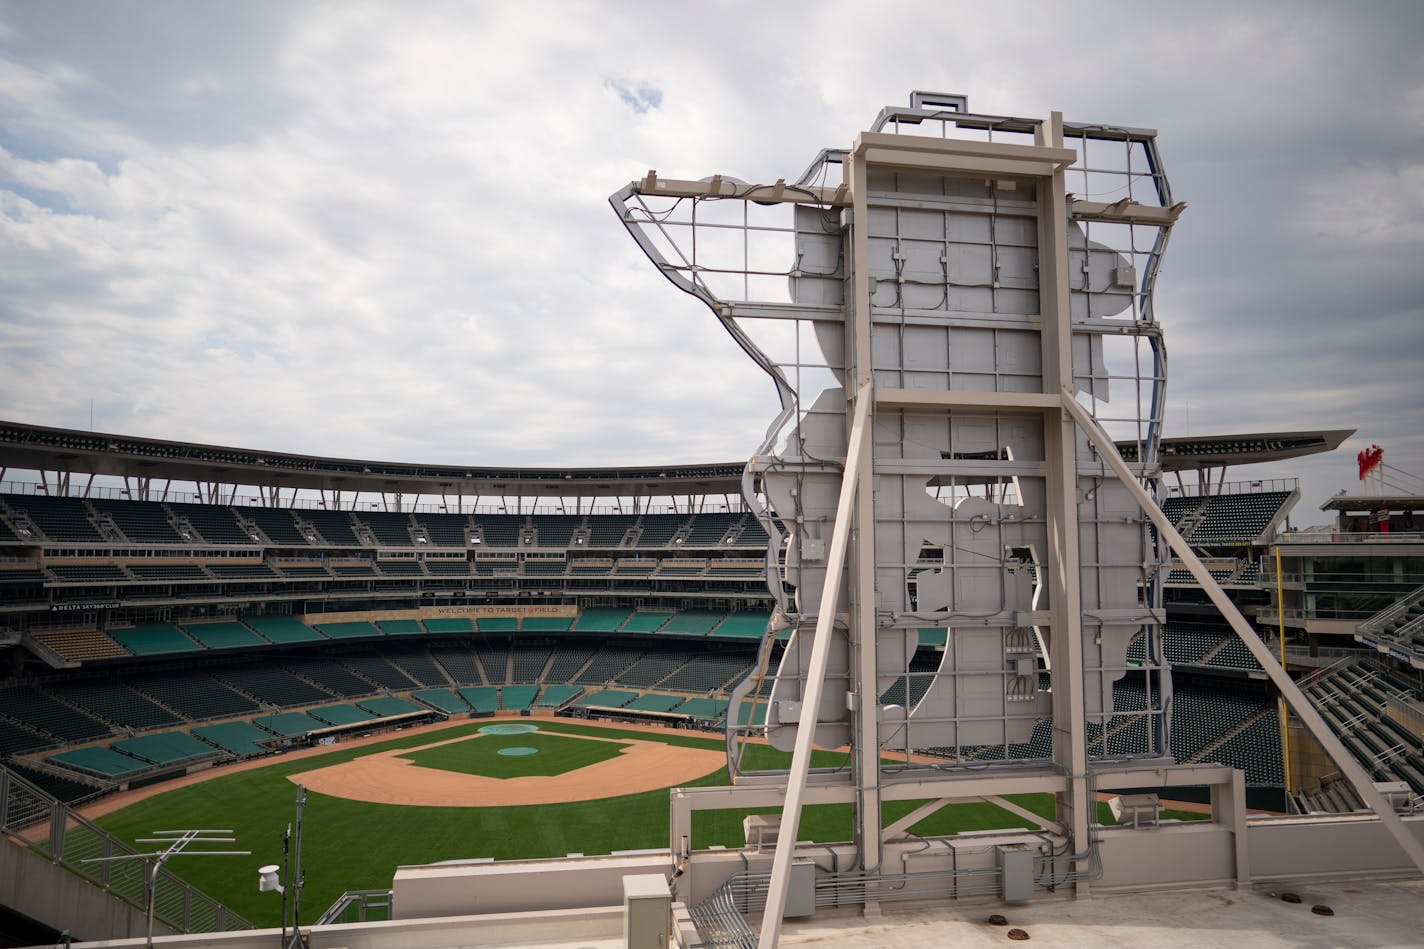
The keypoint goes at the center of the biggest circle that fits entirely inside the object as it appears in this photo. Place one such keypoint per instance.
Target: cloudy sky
(381, 230)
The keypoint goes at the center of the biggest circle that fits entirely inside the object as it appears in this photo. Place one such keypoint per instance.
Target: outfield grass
(351, 845)
(481, 755)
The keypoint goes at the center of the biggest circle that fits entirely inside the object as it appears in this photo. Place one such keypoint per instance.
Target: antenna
(177, 842)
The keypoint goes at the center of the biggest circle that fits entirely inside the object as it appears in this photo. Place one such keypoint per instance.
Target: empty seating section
(606, 698)
(610, 661)
(516, 698)
(333, 526)
(443, 700)
(447, 568)
(416, 663)
(453, 624)
(1188, 643)
(544, 568)
(294, 571)
(379, 671)
(709, 529)
(223, 635)
(457, 662)
(554, 696)
(556, 530)
(652, 669)
(693, 622)
(329, 674)
(1225, 518)
(642, 622)
(748, 713)
(704, 708)
(272, 686)
(1233, 655)
(401, 627)
(494, 657)
(276, 523)
(399, 568)
(79, 644)
(655, 702)
(165, 748)
(242, 571)
(341, 714)
(59, 519)
(289, 724)
(481, 699)
(283, 629)
(216, 525)
(499, 530)
(497, 624)
(529, 660)
(547, 624)
(389, 529)
(38, 711)
(194, 697)
(743, 626)
(141, 521)
(601, 619)
(1202, 716)
(88, 573)
(14, 738)
(567, 661)
(352, 571)
(100, 761)
(446, 530)
(387, 706)
(348, 630)
(608, 530)
(114, 702)
(708, 672)
(238, 738)
(1256, 749)
(168, 571)
(590, 567)
(154, 639)
(658, 530)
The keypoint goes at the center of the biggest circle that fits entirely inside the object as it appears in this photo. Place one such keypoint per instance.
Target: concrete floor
(1366, 915)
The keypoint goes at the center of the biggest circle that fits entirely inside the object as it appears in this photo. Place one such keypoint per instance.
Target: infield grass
(481, 755)
(354, 845)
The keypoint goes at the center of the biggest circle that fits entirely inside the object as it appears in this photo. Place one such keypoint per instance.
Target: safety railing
(46, 825)
(357, 906)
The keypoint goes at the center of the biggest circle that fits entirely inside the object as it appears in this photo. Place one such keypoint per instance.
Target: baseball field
(451, 791)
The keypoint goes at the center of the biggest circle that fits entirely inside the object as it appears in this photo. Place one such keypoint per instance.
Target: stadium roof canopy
(1368, 503)
(39, 448)
(1195, 452)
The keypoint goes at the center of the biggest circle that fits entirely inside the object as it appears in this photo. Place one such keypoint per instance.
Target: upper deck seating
(659, 529)
(608, 530)
(276, 523)
(709, 529)
(215, 524)
(390, 529)
(79, 644)
(168, 571)
(556, 530)
(693, 622)
(600, 619)
(145, 522)
(353, 630)
(500, 530)
(59, 519)
(334, 527)
(446, 530)
(646, 622)
(742, 625)
(254, 570)
(88, 573)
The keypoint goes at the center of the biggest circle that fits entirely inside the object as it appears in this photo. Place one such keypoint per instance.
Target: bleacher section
(79, 644)
(1225, 518)
(215, 524)
(1356, 700)
(59, 519)
(140, 521)
(277, 524)
(742, 626)
(332, 526)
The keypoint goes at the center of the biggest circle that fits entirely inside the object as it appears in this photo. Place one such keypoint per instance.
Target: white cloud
(381, 231)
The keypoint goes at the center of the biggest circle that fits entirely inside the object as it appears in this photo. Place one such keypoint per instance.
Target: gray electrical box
(1016, 872)
(801, 890)
(647, 911)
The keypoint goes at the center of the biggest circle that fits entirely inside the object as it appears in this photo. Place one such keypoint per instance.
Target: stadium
(964, 631)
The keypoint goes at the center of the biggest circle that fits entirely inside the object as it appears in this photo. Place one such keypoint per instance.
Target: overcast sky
(381, 230)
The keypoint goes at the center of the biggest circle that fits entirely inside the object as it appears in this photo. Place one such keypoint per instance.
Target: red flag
(1369, 460)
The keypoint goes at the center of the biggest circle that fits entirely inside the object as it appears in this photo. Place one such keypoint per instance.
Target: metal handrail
(46, 825)
(363, 901)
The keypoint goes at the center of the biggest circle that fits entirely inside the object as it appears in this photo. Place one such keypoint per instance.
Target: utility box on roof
(647, 911)
(1016, 872)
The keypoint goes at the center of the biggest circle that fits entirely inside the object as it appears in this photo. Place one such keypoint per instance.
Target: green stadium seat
(223, 635)
(517, 698)
(497, 624)
(642, 622)
(341, 714)
(600, 619)
(388, 706)
(289, 724)
(349, 630)
(547, 624)
(453, 624)
(442, 700)
(484, 698)
(166, 748)
(154, 639)
(283, 630)
(606, 698)
(742, 626)
(238, 738)
(654, 702)
(100, 761)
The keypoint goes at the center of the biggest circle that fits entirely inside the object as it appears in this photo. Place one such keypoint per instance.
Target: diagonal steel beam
(815, 676)
(1294, 697)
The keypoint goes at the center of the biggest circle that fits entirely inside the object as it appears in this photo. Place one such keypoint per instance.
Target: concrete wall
(1295, 848)
(52, 895)
(518, 885)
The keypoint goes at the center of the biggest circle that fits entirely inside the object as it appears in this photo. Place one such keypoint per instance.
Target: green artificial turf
(480, 755)
(353, 845)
